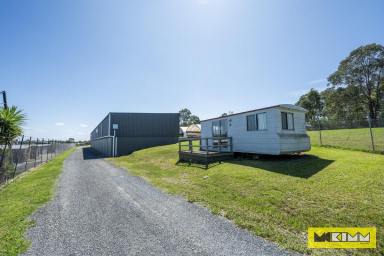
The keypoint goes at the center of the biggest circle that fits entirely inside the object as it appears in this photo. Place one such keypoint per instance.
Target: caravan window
(287, 121)
(262, 121)
(257, 122)
(251, 123)
(215, 128)
(223, 128)
(219, 128)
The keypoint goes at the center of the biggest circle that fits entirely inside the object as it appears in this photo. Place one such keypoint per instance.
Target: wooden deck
(205, 151)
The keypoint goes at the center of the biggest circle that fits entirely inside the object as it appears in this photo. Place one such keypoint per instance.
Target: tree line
(355, 91)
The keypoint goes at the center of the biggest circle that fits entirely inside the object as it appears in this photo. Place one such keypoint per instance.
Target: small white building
(183, 131)
(192, 131)
(273, 130)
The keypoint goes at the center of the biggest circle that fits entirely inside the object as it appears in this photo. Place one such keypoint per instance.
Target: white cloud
(318, 81)
(59, 124)
(83, 125)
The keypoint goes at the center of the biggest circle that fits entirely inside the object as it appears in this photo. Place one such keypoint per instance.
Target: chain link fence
(365, 135)
(25, 153)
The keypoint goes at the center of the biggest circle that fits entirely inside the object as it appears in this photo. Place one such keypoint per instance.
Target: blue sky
(68, 63)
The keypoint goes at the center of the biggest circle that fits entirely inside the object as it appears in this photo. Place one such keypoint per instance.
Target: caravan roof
(286, 106)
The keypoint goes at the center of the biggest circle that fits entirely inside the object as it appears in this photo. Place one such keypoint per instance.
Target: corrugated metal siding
(146, 124)
(101, 129)
(126, 145)
(103, 145)
(136, 131)
(104, 126)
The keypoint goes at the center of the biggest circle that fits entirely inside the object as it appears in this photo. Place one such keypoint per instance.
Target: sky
(67, 63)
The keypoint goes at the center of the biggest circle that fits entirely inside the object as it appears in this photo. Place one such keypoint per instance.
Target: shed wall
(146, 124)
(102, 129)
(103, 145)
(126, 145)
(135, 131)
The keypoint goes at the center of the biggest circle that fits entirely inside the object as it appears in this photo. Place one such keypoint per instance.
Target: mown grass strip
(279, 197)
(354, 139)
(21, 198)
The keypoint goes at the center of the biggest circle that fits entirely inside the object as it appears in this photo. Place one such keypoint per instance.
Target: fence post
(321, 139)
(42, 147)
(190, 145)
(36, 147)
(206, 153)
(29, 154)
(46, 160)
(50, 150)
(17, 156)
(370, 131)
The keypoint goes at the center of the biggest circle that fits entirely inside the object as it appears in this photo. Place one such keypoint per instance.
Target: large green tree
(186, 117)
(363, 69)
(343, 104)
(312, 101)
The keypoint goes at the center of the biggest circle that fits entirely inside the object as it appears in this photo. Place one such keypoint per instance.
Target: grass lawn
(21, 198)
(278, 198)
(359, 138)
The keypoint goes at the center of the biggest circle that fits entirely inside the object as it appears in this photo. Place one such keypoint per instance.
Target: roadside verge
(21, 197)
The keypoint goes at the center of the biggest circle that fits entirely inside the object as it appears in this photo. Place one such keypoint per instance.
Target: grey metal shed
(134, 131)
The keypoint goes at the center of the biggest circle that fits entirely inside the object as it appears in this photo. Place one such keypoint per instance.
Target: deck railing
(206, 145)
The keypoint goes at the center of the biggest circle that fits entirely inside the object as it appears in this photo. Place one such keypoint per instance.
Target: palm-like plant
(11, 120)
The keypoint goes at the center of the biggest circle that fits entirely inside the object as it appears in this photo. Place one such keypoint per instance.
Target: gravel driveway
(99, 209)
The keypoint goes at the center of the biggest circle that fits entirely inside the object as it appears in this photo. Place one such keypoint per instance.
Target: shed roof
(285, 106)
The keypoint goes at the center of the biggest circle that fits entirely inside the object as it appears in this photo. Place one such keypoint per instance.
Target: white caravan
(274, 130)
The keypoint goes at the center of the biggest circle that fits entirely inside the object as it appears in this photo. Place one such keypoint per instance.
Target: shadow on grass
(89, 153)
(302, 166)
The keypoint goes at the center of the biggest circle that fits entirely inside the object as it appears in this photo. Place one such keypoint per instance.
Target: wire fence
(25, 153)
(365, 135)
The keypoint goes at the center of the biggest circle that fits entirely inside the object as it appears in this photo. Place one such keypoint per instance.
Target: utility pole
(4, 99)
(1, 130)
